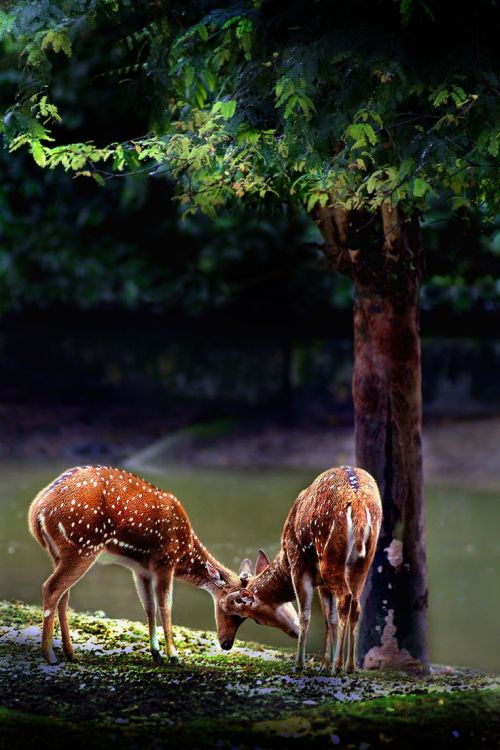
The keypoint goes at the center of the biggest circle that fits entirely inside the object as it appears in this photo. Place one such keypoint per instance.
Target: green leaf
(494, 143)
(458, 95)
(226, 108)
(248, 136)
(203, 32)
(58, 40)
(420, 187)
(6, 24)
(189, 73)
(38, 153)
(362, 134)
(200, 96)
(406, 9)
(293, 100)
(440, 96)
(311, 202)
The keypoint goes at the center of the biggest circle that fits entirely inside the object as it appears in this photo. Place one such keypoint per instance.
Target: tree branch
(333, 223)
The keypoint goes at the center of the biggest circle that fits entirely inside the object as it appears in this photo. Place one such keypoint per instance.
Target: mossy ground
(248, 698)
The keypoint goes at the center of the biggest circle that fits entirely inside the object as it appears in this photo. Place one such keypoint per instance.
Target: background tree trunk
(388, 424)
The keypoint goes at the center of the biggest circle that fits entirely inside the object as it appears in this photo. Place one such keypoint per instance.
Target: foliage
(124, 248)
(129, 250)
(261, 114)
(352, 104)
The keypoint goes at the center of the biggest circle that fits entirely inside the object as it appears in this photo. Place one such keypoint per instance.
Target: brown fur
(93, 509)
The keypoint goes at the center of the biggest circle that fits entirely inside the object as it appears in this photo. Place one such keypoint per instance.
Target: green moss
(246, 698)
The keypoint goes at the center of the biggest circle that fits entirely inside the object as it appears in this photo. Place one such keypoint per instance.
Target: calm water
(237, 512)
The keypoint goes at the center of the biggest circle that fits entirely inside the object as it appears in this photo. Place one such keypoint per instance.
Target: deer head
(244, 600)
(227, 622)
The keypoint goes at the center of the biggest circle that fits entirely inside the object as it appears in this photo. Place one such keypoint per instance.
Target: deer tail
(362, 529)
(34, 523)
(36, 519)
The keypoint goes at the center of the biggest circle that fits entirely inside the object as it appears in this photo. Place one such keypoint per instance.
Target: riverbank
(248, 698)
(457, 452)
(460, 453)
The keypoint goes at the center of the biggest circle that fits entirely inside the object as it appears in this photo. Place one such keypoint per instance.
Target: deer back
(334, 517)
(91, 508)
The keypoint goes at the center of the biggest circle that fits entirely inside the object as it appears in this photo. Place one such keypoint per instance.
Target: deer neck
(274, 584)
(191, 567)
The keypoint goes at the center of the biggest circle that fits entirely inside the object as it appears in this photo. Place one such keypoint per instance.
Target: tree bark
(388, 427)
(388, 424)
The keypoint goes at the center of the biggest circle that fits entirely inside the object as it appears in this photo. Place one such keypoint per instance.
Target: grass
(248, 698)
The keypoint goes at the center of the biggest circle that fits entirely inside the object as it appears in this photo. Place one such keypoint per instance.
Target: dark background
(113, 306)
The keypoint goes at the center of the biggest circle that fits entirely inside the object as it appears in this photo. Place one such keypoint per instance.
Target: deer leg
(332, 567)
(329, 608)
(357, 575)
(353, 635)
(144, 586)
(304, 589)
(344, 607)
(62, 611)
(164, 591)
(68, 571)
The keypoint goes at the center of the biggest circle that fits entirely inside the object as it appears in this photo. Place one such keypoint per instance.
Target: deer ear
(262, 562)
(246, 571)
(215, 574)
(247, 598)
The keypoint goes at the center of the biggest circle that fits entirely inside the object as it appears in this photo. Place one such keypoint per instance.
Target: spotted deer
(328, 541)
(90, 510)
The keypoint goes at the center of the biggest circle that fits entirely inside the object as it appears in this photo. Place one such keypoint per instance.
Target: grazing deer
(89, 510)
(328, 541)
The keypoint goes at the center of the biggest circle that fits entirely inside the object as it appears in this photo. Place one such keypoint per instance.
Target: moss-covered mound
(248, 698)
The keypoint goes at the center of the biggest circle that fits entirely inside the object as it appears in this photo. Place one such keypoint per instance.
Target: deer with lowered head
(90, 510)
(328, 541)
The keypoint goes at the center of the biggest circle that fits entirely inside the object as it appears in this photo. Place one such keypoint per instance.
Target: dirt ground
(246, 699)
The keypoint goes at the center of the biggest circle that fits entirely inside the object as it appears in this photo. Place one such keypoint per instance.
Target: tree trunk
(383, 255)
(388, 424)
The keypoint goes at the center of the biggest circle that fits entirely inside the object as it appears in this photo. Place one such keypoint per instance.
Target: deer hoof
(50, 657)
(350, 668)
(325, 665)
(157, 657)
(70, 656)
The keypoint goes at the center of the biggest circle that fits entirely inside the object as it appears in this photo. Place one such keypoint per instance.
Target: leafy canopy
(327, 103)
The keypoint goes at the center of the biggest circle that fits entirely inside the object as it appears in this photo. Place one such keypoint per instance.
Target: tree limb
(333, 223)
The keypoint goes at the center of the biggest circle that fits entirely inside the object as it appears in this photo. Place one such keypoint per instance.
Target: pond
(237, 512)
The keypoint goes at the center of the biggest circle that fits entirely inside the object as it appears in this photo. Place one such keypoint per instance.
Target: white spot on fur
(350, 533)
(362, 551)
(63, 530)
